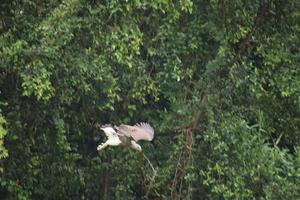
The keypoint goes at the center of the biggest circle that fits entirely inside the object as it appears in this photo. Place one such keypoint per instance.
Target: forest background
(218, 80)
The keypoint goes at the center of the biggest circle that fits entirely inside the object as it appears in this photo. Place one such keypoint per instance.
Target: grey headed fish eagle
(126, 135)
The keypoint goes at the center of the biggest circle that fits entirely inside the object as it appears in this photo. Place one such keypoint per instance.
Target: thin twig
(174, 182)
(152, 179)
(154, 171)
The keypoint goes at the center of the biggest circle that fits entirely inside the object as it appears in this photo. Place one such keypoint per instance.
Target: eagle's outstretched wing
(141, 131)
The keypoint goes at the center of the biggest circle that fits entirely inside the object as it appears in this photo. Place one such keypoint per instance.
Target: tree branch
(245, 43)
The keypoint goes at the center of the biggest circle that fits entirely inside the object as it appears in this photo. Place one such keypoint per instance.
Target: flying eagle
(126, 135)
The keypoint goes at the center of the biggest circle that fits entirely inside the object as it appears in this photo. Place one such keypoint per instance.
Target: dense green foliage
(219, 81)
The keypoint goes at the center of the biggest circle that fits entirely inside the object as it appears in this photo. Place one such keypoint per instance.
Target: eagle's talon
(100, 147)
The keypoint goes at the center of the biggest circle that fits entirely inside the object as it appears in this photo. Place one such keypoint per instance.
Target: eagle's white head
(108, 130)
